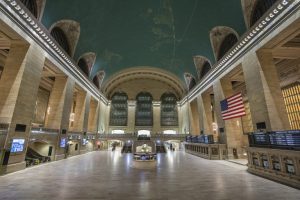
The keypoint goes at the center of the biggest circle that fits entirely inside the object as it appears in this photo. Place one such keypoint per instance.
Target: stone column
(86, 112)
(93, 116)
(59, 110)
(183, 118)
(264, 92)
(85, 121)
(232, 135)
(102, 122)
(80, 108)
(203, 122)
(156, 117)
(207, 113)
(131, 116)
(194, 118)
(19, 85)
(60, 104)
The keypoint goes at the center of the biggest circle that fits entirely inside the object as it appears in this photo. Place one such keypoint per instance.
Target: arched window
(119, 109)
(144, 112)
(205, 69)
(84, 66)
(168, 112)
(229, 41)
(31, 6)
(96, 81)
(189, 80)
(192, 83)
(259, 10)
(61, 38)
(98, 78)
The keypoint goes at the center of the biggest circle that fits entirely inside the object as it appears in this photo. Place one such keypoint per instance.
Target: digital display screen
(17, 145)
(62, 142)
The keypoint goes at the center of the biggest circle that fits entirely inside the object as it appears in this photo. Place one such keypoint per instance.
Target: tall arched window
(189, 80)
(119, 109)
(144, 112)
(229, 41)
(98, 78)
(259, 10)
(84, 66)
(205, 69)
(61, 38)
(31, 6)
(168, 112)
(96, 81)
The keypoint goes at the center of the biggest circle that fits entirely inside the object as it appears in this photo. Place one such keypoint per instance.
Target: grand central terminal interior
(161, 99)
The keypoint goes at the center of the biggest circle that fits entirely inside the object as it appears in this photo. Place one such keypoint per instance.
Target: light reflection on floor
(109, 175)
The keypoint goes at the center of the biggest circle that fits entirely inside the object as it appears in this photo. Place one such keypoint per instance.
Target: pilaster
(264, 92)
(19, 88)
(232, 134)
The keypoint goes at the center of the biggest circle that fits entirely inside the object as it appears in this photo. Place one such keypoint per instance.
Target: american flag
(233, 107)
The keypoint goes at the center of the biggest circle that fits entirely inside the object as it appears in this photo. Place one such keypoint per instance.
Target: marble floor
(110, 175)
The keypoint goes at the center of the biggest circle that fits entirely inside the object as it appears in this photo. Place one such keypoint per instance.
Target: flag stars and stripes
(233, 107)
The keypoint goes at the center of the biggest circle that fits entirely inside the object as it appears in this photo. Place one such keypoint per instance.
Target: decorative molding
(22, 18)
(277, 14)
(20, 15)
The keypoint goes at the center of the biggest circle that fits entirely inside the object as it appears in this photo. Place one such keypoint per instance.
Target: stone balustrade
(207, 151)
(275, 164)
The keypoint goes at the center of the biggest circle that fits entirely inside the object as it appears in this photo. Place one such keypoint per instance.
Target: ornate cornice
(22, 18)
(19, 14)
(271, 20)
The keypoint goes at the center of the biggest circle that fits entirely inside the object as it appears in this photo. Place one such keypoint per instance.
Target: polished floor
(110, 175)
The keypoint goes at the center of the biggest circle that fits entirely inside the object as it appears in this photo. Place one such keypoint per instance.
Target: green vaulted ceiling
(157, 33)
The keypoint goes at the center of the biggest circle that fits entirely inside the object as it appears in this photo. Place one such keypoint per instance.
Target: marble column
(102, 118)
(131, 116)
(232, 134)
(202, 119)
(156, 117)
(107, 117)
(19, 85)
(93, 116)
(60, 104)
(264, 92)
(183, 118)
(59, 110)
(207, 113)
(79, 114)
(86, 112)
(194, 118)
